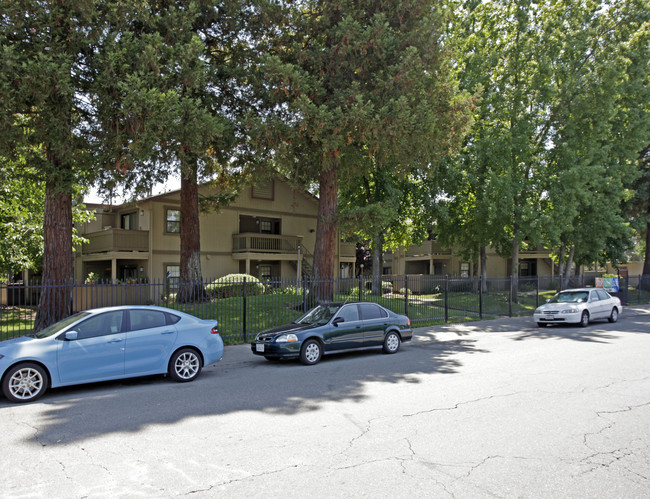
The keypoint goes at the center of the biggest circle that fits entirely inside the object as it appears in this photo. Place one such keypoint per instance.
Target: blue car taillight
(214, 330)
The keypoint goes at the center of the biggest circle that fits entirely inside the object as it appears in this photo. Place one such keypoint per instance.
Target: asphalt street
(495, 408)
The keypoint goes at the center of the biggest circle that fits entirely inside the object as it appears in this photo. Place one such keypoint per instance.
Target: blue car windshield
(58, 326)
(571, 297)
(319, 315)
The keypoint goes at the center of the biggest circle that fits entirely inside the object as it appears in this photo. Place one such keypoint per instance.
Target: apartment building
(269, 231)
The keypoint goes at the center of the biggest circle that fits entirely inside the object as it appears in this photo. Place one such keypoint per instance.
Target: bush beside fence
(244, 306)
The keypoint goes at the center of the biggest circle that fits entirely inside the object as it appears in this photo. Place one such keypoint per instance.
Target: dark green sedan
(334, 327)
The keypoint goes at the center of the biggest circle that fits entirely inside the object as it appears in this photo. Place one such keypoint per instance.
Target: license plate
(547, 318)
(259, 347)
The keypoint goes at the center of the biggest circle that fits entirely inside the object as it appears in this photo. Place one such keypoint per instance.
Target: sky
(171, 185)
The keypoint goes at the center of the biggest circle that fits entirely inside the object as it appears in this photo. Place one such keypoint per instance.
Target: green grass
(269, 310)
(15, 321)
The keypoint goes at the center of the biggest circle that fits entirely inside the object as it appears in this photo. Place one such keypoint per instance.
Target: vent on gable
(263, 190)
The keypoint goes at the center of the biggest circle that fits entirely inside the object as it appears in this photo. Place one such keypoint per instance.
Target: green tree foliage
(556, 131)
(22, 198)
(46, 50)
(176, 89)
(360, 85)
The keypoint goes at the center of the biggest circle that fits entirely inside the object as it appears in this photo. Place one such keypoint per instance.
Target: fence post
(480, 297)
(406, 294)
(304, 294)
(360, 284)
(244, 312)
(510, 299)
(446, 298)
(537, 294)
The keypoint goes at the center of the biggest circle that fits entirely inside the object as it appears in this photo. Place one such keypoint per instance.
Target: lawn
(238, 325)
(15, 321)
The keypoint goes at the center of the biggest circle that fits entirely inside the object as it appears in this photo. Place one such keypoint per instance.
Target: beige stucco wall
(296, 210)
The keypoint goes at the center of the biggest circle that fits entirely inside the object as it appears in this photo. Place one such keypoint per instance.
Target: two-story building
(269, 231)
(430, 258)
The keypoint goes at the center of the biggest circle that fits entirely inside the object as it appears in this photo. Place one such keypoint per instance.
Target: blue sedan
(108, 343)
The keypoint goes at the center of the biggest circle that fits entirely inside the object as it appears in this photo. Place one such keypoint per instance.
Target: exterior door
(345, 329)
(98, 351)
(375, 322)
(149, 342)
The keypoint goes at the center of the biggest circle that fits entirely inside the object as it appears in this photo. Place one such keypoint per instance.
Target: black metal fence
(245, 307)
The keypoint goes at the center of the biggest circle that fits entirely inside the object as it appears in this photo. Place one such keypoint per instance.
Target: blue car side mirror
(71, 335)
(337, 320)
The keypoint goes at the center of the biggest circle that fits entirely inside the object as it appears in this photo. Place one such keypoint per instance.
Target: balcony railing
(116, 240)
(427, 248)
(348, 250)
(264, 243)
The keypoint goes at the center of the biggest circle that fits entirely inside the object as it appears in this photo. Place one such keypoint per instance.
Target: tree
(46, 54)
(360, 85)
(178, 91)
(549, 143)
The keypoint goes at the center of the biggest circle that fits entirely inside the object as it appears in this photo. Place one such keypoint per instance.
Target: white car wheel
(185, 365)
(613, 316)
(584, 319)
(25, 382)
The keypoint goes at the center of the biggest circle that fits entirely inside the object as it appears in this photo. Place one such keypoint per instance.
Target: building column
(113, 269)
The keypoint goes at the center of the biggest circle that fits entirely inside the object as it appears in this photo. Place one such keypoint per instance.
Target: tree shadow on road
(240, 382)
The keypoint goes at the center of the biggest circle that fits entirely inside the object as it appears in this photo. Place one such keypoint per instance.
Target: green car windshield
(58, 326)
(577, 297)
(319, 315)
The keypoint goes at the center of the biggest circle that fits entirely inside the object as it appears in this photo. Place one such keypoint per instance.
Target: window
(464, 269)
(603, 295)
(265, 272)
(349, 313)
(145, 319)
(265, 226)
(172, 275)
(100, 325)
(369, 311)
(129, 221)
(173, 221)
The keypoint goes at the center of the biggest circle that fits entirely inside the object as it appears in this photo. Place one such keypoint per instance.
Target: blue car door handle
(115, 340)
(167, 332)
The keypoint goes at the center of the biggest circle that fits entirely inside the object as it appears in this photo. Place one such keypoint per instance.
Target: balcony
(348, 250)
(427, 248)
(109, 240)
(265, 243)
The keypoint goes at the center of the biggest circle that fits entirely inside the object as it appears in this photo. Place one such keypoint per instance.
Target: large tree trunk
(377, 263)
(191, 280)
(55, 300)
(326, 232)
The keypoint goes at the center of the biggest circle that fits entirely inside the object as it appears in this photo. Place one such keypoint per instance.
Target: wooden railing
(116, 240)
(426, 248)
(264, 243)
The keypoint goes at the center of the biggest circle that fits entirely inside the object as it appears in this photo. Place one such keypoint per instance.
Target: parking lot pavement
(490, 408)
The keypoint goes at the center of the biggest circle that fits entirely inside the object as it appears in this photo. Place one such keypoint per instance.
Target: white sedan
(579, 306)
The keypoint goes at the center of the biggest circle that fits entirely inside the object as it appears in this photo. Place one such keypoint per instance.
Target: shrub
(386, 287)
(403, 291)
(354, 292)
(288, 290)
(233, 285)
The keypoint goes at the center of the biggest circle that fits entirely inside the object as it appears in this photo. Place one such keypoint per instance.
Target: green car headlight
(286, 338)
